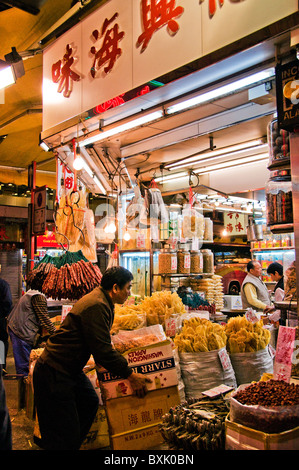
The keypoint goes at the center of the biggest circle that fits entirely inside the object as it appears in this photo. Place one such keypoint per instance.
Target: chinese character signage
(287, 91)
(284, 353)
(124, 45)
(235, 223)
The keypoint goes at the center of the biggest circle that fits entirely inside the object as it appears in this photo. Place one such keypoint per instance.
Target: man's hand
(138, 383)
(268, 309)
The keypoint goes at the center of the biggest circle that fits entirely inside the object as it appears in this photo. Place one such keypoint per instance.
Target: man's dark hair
(275, 267)
(116, 275)
(250, 265)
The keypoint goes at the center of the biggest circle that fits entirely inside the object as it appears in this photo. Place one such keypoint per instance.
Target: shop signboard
(124, 46)
(235, 223)
(39, 210)
(287, 93)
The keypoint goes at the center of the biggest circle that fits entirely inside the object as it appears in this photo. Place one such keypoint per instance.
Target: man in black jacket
(66, 401)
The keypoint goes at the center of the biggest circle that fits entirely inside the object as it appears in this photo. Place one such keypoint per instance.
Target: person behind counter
(275, 270)
(25, 324)
(65, 399)
(254, 293)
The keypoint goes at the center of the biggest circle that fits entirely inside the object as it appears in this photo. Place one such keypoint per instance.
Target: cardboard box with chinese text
(155, 361)
(134, 422)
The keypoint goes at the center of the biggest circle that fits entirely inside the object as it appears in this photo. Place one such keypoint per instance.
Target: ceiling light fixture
(122, 128)
(11, 69)
(222, 91)
(232, 163)
(165, 179)
(257, 144)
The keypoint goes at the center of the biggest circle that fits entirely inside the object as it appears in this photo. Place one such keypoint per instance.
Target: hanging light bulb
(224, 233)
(78, 161)
(127, 236)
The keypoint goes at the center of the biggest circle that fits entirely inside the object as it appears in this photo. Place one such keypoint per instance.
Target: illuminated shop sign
(123, 46)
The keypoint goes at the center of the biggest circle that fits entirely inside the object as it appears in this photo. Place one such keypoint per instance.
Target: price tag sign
(65, 310)
(224, 359)
(214, 392)
(251, 316)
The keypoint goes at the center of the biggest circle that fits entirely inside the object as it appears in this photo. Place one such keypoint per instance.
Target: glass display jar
(279, 201)
(208, 261)
(278, 142)
(167, 261)
(183, 262)
(196, 262)
(208, 234)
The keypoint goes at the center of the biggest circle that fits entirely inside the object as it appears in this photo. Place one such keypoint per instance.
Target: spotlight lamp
(11, 69)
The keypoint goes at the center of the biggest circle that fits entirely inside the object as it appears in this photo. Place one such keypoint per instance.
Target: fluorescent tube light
(254, 145)
(165, 179)
(222, 91)
(231, 163)
(7, 76)
(123, 127)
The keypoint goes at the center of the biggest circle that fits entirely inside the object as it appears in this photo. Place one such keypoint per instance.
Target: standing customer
(5, 423)
(25, 324)
(254, 292)
(5, 308)
(65, 399)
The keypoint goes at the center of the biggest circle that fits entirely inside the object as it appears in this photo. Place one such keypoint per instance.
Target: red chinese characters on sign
(62, 73)
(3, 233)
(110, 50)
(213, 5)
(234, 223)
(155, 15)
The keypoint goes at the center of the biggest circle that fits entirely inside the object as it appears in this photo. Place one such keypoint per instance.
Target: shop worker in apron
(26, 322)
(65, 399)
(254, 292)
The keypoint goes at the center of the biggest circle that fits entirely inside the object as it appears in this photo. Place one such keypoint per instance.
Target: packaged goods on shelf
(184, 262)
(290, 283)
(167, 262)
(208, 261)
(193, 224)
(196, 262)
(208, 233)
(213, 288)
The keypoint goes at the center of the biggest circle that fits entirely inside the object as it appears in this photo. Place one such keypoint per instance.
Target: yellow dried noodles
(245, 336)
(200, 335)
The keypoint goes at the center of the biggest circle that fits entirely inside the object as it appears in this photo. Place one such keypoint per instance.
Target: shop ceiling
(239, 117)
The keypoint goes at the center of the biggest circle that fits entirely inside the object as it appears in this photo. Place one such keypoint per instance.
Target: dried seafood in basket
(69, 276)
(200, 335)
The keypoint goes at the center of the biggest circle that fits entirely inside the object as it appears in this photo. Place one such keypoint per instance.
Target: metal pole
(294, 157)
